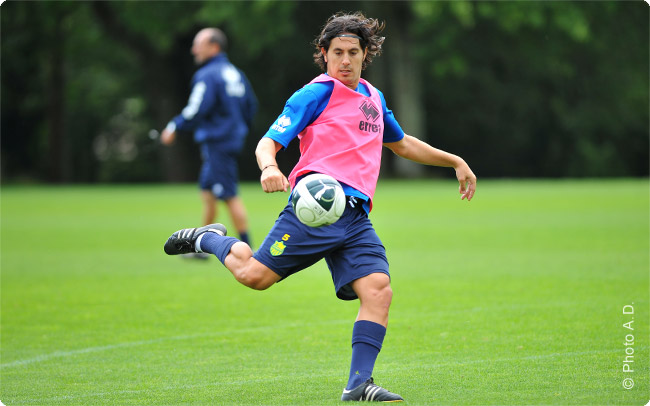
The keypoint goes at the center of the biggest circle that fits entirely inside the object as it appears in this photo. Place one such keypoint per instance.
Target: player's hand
(167, 137)
(467, 181)
(273, 180)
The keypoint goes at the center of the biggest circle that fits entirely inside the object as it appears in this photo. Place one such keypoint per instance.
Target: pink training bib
(345, 141)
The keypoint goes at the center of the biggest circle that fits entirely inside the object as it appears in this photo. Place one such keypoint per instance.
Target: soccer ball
(318, 200)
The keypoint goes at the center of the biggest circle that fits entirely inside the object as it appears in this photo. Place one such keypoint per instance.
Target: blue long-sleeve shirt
(307, 104)
(221, 106)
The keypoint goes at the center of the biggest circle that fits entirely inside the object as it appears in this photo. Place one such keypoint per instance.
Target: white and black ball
(318, 200)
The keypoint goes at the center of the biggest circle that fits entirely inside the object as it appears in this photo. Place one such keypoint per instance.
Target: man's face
(202, 48)
(344, 59)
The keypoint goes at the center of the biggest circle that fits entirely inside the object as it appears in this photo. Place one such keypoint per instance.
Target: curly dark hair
(355, 23)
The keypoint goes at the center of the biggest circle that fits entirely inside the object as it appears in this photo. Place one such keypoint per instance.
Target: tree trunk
(56, 167)
(406, 82)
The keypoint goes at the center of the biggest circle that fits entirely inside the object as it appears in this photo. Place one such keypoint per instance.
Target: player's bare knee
(247, 279)
(378, 297)
(258, 282)
(254, 279)
(385, 295)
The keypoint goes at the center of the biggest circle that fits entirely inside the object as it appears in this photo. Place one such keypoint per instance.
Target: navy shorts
(350, 247)
(219, 172)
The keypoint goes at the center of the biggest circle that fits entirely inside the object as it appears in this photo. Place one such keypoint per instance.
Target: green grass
(515, 298)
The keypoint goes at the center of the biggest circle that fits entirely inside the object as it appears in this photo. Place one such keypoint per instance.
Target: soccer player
(342, 122)
(220, 112)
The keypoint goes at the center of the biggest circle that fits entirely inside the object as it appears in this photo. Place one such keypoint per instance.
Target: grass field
(515, 298)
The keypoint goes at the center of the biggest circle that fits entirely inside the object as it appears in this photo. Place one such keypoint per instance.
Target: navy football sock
(216, 244)
(243, 237)
(367, 338)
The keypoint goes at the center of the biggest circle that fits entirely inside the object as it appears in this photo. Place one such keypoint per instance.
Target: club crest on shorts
(277, 248)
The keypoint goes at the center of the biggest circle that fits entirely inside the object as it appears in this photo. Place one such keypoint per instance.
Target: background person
(342, 122)
(220, 112)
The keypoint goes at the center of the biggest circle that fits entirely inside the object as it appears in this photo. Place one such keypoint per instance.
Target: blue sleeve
(392, 130)
(302, 109)
(205, 93)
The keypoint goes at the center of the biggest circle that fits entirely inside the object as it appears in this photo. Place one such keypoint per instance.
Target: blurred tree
(517, 88)
(398, 75)
(33, 88)
(162, 46)
(535, 86)
(61, 85)
(153, 33)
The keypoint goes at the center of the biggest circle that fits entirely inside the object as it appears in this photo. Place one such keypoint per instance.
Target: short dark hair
(367, 29)
(218, 37)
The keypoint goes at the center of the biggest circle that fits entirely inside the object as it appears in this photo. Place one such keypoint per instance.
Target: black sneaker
(370, 392)
(182, 241)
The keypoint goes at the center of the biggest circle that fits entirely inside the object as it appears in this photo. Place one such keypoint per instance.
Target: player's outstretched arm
(272, 178)
(419, 151)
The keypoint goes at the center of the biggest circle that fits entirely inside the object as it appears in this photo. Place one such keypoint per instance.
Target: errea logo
(371, 114)
(369, 110)
(281, 124)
